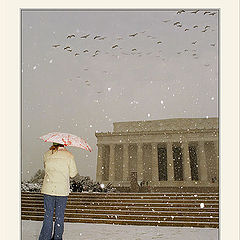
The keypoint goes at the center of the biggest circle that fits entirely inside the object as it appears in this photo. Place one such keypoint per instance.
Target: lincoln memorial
(163, 154)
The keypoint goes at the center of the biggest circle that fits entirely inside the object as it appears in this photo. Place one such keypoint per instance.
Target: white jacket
(58, 166)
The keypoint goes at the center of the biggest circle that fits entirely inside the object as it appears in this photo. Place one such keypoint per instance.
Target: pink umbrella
(66, 139)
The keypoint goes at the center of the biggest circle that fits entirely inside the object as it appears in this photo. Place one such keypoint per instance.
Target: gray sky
(82, 94)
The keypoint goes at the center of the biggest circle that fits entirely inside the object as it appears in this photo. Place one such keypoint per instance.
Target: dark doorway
(162, 164)
(193, 162)
(177, 160)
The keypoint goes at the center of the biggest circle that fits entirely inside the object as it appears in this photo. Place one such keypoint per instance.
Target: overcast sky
(166, 70)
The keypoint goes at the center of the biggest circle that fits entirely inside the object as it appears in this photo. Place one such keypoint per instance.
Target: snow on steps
(154, 209)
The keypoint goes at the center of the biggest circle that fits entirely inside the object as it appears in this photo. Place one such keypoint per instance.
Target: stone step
(129, 212)
(134, 208)
(165, 209)
(128, 194)
(131, 217)
(131, 222)
(207, 200)
(137, 204)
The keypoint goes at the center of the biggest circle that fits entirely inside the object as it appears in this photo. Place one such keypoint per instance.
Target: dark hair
(55, 147)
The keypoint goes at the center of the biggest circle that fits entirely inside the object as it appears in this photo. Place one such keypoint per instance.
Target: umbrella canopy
(66, 139)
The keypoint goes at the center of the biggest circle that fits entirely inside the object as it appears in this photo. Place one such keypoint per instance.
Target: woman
(59, 165)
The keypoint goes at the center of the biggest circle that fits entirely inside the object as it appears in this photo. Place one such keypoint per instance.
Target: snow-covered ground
(88, 231)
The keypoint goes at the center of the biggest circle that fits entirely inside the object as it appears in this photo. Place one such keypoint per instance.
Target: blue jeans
(51, 202)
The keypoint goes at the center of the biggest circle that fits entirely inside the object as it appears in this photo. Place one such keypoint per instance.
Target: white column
(202, 162)
(187, 176)
(155, 173)
(139, 162)
(125, 162)
(216, 145)
(170, 165)
(112, 163)
(100, 167)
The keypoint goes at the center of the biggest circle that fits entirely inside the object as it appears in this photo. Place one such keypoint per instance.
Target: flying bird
(70, 50)
(101, 38)
(85, 51)
(195, 26)
(194, 54)
(207, 26)
(133, 35)
(115, 46)
(185, 50)
(96, 52)
(194, 42)
(159, 42)
(195, 11)
(206, 65)
(99, 92)
(134, 49)
(180, 11)
(212, 44)
(85, 36)
(204, 30)
(206, 13)
(179, 52)
(70, 36)
(96, 37)
(76, 54)
(165, 21)
(66, 47)
(176, 23)
(187, 29)
(57, 45)
(179, 25)
(212, 14)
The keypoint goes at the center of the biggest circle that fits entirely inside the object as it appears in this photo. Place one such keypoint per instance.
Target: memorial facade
(163, 153)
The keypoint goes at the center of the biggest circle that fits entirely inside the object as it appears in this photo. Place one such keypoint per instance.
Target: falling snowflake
(76, 124)
(28, 125)
(149, 115)
(34, 67)
(51, 61)
(161, 101)
(212, 98)
(206, 116)
(201, 205)
(109, 89)
(90, 126)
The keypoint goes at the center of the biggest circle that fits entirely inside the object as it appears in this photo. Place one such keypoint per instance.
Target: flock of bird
(134, 51)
